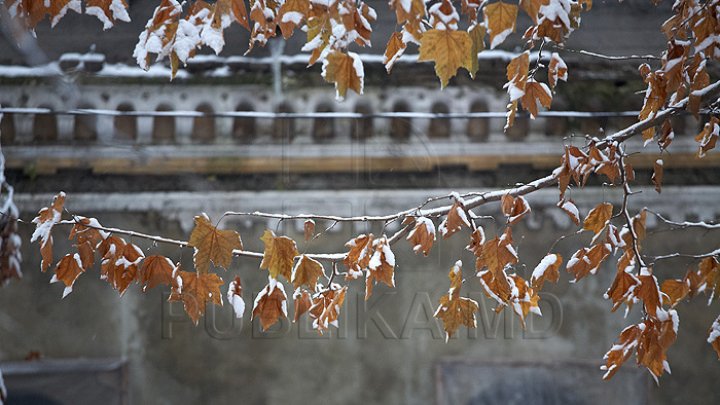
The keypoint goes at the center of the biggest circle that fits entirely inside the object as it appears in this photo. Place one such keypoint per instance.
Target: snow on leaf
(291, 14)
(108, 11)
(326, 308)
(309, 229)
(422, 235)
(303, 303)
(46, 219)
(68, 270)
(234, 297)
(195, 291)
(557, 70)
(393, 51)
(381, 267)
(587, 260)
(120, 266)
(657, 176)
(358, 257)
(270, 304)
(532, 7)
(535, 94)
(514, 208)
(569, 207)
(623, 288)
(547, 269)
(212, 245)
(306, 272)
(454, 310)
(707, 138)
(279, 255)
(156, 270)
(32, 12)
(449, 49)
(713, 337)
(500, 21)
(455, 220)
(346, 71)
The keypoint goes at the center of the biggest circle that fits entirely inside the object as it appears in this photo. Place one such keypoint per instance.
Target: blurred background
(182, 152)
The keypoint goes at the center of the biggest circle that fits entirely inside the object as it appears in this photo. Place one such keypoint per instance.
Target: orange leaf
(454, 310)
(107, 11)
(279, 255)
(598, 217)
(346, 71)
(455, 220)
(270, 304)
(623, 288)
(68, 270)
(536, 93)
(326, 308)
(547, 269)
(569, 207)
(46, 219)
(657, 176)
(307, 272)
(514, 208)
(422, 236)
(449, 49)
(309, 228)
(156, 270)
(393, 51)
(557, 70)
(358, 258)
(212, 244)
(500, 21)
(381, 267)
(291, 15)
(196, 290)
(587, 261)
(303, 302)
(674, 291)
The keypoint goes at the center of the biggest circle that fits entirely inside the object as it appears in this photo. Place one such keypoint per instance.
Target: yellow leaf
(477, 35)
(500, 21)
(212, 244)
(346, 71)
(450, 50)
(279, 255)
(307, 272)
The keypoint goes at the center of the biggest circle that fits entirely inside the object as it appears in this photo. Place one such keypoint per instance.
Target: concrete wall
(387, 350)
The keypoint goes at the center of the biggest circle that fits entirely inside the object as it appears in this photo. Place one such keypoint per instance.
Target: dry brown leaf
(707, 138)
(623, 288)
(156, 270)
(455, 220)
(381, 267)
(291, 15)
(279, 255)
(307, 272)
(514, 208)
(422, 235)
(358, 257)
(674, 291)
(303, 302)
(455, 310)
(212, 245)
(714, 336)
(108, 11)
(587, 261)
(598, 217)
(477, 36)
(309, 228)
(557, 70)
(195, 291)
(536, 93)
(393, 51)
(270, 304)
(68, 270)
(44, 221)
(657, 176)
(326, 308)
(569, 207)
(547, 270)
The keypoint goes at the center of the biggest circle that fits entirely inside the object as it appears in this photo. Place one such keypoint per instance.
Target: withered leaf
(44, 221)
(422, 235)
(307, 271)
(270, 304)
(455, 310)
(449, 49)
(514, 208)
(234, 296)
(212, 244)
(326, 308)
(547, 270)
(381, 267)
(303, 302)
(279, 255)
(156, 270)
(309, 228)
(195, 291)
(455, 220)
(598, 217)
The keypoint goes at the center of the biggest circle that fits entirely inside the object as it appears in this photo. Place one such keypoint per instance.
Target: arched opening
(244, 129)
(163, 127)
(400, 126)
(7, 128)
(362, 128)
(85, 128)
(125, 126)
(45, 127)
(323, 128)
(478, 129)
(439, 127)
(283, 128)
(204, 127)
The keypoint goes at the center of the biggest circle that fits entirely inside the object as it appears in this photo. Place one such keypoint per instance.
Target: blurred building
(178, 148)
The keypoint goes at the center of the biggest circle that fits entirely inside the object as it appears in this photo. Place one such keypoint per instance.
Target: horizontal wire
(284, 115)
